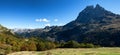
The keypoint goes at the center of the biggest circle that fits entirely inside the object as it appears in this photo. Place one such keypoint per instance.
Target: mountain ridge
(89, 21)
(90, 14)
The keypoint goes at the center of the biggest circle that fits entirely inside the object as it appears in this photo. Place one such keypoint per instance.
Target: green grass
(73, 51)
(82, 51)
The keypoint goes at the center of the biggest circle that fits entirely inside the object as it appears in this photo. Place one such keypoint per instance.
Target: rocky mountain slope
(93, 25)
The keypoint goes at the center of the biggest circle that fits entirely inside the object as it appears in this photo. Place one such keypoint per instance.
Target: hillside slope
(7, 39)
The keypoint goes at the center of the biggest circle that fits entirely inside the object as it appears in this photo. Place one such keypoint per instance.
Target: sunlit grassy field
(78, 51)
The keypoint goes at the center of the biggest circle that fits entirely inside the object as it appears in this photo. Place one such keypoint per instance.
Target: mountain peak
(92, 8)
(98, 7)
(92, 13)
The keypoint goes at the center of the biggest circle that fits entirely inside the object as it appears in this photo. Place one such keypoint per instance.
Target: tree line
(37, 44)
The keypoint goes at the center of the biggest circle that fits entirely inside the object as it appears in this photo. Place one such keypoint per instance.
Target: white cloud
(42, 20)
(55, 20)
(45, 20)
(47, 24)
(61, 24)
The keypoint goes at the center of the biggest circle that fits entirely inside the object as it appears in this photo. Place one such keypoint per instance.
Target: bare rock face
(92, 21)
(93, 13)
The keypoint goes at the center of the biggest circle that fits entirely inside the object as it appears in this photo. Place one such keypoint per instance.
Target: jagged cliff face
(91, 13)
(92, 22)
(93, 16)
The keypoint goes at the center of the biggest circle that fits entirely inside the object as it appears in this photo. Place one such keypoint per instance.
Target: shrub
(71, 44)
(40, 46)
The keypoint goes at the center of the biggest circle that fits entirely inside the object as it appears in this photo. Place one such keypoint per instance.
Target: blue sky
(41, 13)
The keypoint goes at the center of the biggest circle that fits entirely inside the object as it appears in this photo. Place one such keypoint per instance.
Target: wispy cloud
(47, 24)
(42, 20)
(55, 20)
(61, 24)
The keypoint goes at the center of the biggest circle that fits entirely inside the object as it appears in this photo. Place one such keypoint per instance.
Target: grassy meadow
(73, 51)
